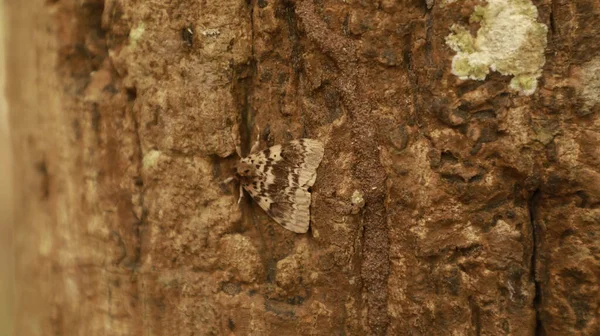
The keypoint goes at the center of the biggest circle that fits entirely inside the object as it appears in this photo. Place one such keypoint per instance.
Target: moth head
(244, 169)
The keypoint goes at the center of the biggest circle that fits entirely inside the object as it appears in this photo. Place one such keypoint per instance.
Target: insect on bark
(278, 179)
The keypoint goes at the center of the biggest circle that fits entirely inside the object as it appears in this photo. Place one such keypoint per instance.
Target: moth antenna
(235, 136)
(228, 180)
(241, 194)
(256, 143)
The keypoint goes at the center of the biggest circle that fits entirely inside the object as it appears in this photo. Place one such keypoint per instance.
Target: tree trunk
(6, 193)
(459, 193)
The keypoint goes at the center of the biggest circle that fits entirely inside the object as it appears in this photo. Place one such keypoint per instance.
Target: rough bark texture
(455, 197)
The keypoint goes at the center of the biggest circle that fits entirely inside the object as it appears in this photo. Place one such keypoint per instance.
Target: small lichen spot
(211, 32)
(358, 201)
(150, 159)
(136, 33)
(357, 198)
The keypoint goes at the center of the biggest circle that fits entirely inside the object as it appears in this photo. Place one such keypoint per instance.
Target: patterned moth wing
(278, 179)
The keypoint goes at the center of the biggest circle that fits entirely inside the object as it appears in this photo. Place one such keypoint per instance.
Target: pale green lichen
(478, 14)
(151, 159)
(527, 84)
(510, 41)
(136, 33)
(357, 198)
(357, 201)
(461, 39)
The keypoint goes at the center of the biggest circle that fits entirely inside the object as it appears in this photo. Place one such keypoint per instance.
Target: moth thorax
(245, 170)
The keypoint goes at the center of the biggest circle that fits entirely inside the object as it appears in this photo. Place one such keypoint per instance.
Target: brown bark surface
(443, 206)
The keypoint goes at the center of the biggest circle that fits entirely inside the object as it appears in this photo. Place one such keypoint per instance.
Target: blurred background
(6, 250)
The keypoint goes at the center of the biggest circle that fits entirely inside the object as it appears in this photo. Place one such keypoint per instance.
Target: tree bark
(459, 193)
(6, 192)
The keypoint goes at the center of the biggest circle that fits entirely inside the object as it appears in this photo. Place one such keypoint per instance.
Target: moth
(278, 179)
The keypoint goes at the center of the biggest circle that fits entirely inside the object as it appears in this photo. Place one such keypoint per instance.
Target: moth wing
(284, 175)
(257, 195)
(311, 155)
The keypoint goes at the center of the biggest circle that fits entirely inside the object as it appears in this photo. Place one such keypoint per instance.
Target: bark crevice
(533, 204)
(368, 170)
(139, 190)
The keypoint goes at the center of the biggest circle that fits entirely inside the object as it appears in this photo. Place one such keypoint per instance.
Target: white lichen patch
(211, 32)
(509, 40)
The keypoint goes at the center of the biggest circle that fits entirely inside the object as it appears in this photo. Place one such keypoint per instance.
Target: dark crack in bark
(535, 248)
(368, 170)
